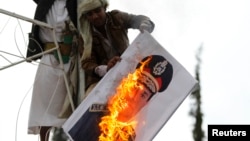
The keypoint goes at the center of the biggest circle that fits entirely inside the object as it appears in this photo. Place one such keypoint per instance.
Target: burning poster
(135, 98)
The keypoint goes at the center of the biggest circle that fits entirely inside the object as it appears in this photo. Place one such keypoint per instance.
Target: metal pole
(25, 18)
(29, 58)
(64, 73)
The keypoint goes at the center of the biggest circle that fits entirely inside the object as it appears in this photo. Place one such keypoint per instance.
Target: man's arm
(140, 22)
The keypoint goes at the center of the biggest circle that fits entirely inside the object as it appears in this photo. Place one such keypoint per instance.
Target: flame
(117, 124)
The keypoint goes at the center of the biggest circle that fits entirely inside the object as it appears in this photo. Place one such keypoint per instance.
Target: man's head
(96, 17)
(94, 11)
(87, 5)
(90, 12)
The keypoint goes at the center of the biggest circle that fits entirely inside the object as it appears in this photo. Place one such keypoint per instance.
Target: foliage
(196, 112)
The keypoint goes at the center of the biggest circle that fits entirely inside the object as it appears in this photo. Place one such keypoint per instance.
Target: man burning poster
(135, 99)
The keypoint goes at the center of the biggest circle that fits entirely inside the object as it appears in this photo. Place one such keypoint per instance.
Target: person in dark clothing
(105, 37)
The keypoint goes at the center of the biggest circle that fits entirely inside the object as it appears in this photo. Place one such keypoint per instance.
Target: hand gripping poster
(135, 99)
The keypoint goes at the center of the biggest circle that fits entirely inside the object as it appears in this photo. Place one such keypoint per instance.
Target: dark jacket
(35, 45)
(117, 27)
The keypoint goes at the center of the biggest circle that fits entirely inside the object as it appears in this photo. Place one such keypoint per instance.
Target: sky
(221, 27)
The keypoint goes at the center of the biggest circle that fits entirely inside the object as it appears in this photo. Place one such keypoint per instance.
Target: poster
(163, 76)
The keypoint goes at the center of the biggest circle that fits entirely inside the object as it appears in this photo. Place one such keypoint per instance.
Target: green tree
(196, 112)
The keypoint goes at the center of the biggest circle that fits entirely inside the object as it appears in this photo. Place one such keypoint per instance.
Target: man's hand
(113, 61)
(103, 69)
(146, 25)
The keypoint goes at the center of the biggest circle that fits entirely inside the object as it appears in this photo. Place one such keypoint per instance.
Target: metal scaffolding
(42, 53)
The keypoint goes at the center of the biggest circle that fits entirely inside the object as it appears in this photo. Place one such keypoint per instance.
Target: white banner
(169, 89)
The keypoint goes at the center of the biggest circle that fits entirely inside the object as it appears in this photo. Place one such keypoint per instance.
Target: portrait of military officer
(155, 77)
